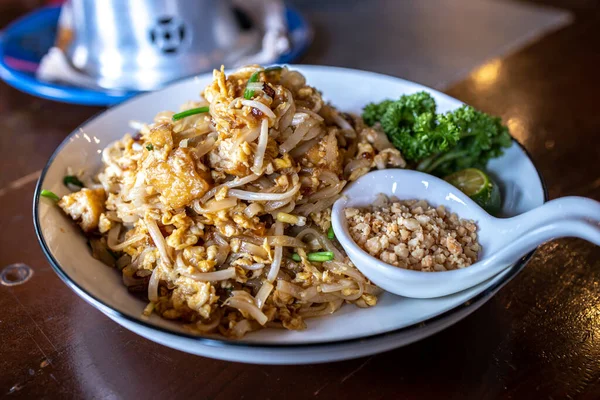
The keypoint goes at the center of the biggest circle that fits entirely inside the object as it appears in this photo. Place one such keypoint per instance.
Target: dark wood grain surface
(538, 338)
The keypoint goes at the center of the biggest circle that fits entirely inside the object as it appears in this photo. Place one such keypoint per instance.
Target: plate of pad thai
(199, 216)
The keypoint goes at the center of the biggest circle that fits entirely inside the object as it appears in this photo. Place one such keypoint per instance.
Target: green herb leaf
(412, 126)
(439, 144)
(50, 195)
(373, 112)
(482, 137)
(72, 180)
(149, 147)
(187, 113)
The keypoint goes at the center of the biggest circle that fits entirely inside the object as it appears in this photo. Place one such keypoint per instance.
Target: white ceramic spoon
(504, 240)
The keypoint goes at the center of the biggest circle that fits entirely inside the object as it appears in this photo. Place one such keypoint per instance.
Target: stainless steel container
(143, 44)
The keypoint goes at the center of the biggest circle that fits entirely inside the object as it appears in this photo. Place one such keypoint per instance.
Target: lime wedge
(479, 187)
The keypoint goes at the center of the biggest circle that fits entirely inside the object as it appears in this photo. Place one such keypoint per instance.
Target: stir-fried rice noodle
(282, 240)
(153, 285)
(253, 209)
(214, 205)
(205, 146)
(211, 213)
(263, 294)
(221, 275)
(254, 267)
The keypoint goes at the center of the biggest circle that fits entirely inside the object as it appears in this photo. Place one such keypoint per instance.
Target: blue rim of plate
(475, 301)
(45, 19)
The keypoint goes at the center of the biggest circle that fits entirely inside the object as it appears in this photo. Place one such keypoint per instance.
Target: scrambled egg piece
(182, 238)
(104, 223)
(231, 157)
(84, 206)
(283, 162)
(199, 296)
(177, 179)
(322, 219)
(291, 321)
(186, 232)
(200, 258)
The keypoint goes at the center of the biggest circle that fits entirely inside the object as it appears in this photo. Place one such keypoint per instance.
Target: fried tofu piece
(176, 179)
(85, 207)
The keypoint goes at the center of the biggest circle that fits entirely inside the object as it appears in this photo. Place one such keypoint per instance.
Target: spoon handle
(570, 227)
(555, 211)
(564, 217)
(564, 208)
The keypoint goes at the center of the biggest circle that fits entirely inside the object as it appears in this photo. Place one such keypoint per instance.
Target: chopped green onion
(72, 180)
(330, 233)
(149, 147)
(187, 113)
(317, 256)
(248, 93)
(320, 256)
(50, 195)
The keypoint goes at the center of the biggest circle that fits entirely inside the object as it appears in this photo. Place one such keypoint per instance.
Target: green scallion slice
(72, 180)
(330, 233)
(248, 93)
(192, 111)
(317, 256)
(50, 195)
(320, 256)
(149, 147)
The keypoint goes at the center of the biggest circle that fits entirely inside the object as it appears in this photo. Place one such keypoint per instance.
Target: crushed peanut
(413, 235)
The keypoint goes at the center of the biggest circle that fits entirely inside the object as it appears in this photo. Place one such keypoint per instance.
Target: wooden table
(538, 338)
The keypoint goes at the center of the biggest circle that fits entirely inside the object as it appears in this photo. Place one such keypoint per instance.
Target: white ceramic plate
(351, 332)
